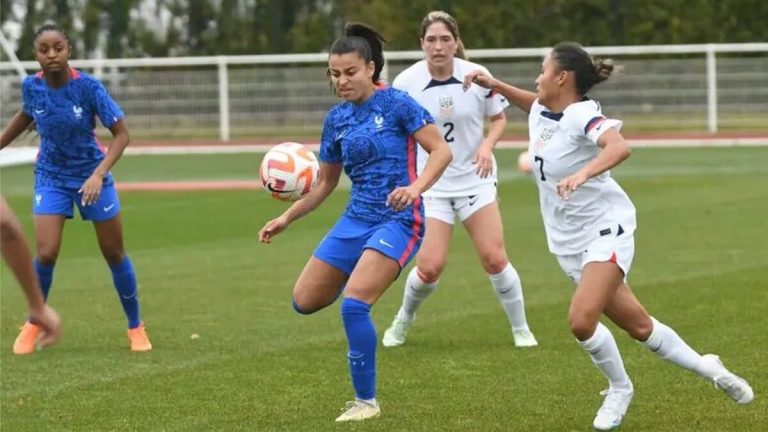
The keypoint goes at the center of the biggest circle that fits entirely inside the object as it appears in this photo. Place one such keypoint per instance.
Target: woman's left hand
(91, 190)
(566, 186)
(402, 197)
(484, 160)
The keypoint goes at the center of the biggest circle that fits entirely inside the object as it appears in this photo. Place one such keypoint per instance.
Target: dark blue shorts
(343, 246)
(51, 200)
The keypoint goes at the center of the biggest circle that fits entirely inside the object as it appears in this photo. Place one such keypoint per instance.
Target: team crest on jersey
(446, 107)
(379, 122)
(78, 111)
(544, 137)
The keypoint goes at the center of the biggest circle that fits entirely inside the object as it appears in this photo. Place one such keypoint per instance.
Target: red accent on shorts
(417, 220)
(613, 258)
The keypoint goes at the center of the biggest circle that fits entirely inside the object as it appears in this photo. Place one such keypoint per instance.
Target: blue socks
(45, 276)
(361, 336)
(124, 279)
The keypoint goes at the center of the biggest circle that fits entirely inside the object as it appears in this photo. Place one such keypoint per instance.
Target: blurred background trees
(137, 28)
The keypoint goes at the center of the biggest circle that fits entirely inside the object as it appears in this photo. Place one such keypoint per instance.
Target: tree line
(158, 28)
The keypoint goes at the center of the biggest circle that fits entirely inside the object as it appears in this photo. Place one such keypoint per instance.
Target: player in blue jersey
(370, 135)
(16, 254)
(73, 169)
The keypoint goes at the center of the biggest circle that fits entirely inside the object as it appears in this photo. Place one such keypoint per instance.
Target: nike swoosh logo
(109, 207)
(37, 111)
(382, 241)
(472, 200)
(273, 190)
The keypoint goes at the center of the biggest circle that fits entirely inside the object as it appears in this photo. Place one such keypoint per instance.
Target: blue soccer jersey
(374, 143)
(65, 118)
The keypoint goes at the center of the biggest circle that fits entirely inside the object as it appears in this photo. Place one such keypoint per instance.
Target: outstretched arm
(523, 99)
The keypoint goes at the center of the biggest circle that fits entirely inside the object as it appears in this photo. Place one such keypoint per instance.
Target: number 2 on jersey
(448, 137)
(541, 166)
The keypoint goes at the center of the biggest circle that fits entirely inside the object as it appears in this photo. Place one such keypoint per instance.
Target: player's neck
(563, 102)
(57, 79)
(441, 72)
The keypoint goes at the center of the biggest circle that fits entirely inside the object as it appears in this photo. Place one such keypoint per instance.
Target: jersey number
(541, 167)
(448, 137)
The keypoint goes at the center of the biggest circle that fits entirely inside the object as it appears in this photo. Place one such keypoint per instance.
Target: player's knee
(303, 307)
(114, 257)
(641, 329)
(494, 262)
(9, 229)
(429, 270)
(582, 324)
(47, 254)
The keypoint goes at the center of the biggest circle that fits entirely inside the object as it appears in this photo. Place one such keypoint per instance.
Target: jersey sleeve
(27, 97)
(587, 120)
(105, 107)
(330, 145)
(411, 115)
(495, 103)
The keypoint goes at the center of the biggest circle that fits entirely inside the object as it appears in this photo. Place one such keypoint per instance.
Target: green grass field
(701, 266)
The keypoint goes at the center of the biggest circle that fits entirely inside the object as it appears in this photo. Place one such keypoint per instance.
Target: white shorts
(620, 250)
(446, 209)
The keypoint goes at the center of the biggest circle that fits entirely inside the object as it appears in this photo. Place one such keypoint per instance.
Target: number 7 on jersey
(541, 166)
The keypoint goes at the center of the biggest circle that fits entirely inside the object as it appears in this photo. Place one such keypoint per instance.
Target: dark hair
(450, 23)
(51, 27)
(570, 56)
(366, 42)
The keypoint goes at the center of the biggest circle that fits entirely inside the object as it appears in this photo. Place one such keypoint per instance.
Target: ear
(561, 77)
(370, 69)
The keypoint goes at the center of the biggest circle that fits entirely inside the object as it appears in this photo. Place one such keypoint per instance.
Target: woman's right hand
(273, 228)
(50, 323)
(478, 77)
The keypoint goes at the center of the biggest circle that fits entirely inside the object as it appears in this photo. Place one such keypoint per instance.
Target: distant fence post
(223, 98)
(711, 89)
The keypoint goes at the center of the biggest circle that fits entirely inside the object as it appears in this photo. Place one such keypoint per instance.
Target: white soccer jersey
(461, 117)
(560, 145)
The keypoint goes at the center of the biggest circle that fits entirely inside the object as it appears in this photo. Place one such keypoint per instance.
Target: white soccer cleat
(733, 385)
(396, 333)
(524, 338)
(611, 413)
(358, 410)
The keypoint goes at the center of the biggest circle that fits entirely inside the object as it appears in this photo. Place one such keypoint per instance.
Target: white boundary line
(25, 155)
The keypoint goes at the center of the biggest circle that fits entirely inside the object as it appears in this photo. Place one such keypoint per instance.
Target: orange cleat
(139, 339)
(27, 339)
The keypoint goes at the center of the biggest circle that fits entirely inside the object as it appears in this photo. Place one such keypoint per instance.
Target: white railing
(674, 85)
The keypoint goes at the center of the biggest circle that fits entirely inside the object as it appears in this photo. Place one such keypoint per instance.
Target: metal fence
(662, 87)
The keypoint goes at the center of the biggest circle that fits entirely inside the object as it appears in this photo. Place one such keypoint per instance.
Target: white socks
(509, 290)
(416, 290)
(667, 344)
(605, 355)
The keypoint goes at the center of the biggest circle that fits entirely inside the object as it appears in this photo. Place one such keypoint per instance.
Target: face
(438, 44)
(351, 76)
(52, 51)
(550, 81)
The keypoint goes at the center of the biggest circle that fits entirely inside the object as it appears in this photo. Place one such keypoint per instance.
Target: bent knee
(582, 325)
(641, 329)
(303, 307)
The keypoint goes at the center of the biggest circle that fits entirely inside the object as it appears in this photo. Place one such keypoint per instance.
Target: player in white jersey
(590, 223)
(467, 188)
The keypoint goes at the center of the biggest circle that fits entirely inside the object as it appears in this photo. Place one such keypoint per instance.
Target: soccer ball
(289, 171)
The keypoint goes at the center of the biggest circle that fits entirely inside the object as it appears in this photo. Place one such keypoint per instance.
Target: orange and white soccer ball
(289, 171)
